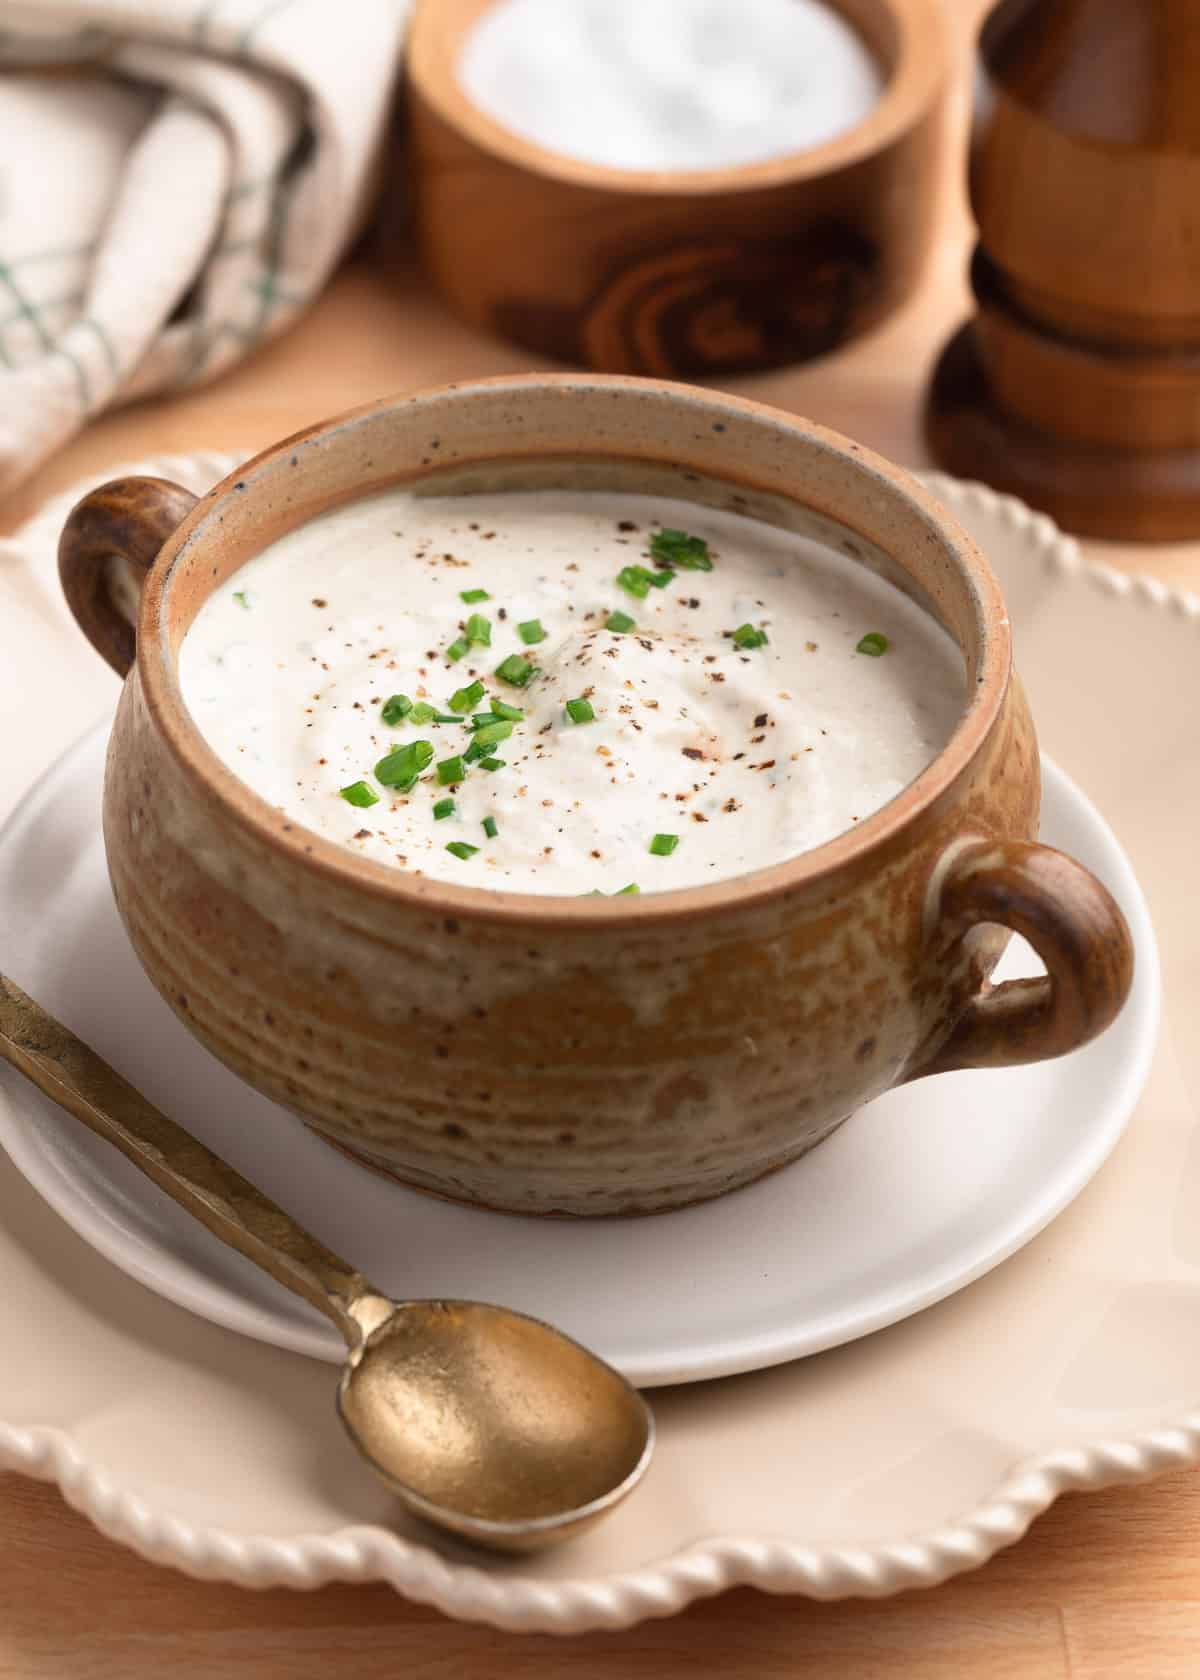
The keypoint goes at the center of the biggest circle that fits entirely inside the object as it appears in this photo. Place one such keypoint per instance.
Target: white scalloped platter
(895, 1461)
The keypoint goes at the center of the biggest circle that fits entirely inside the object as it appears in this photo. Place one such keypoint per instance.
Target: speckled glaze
(590, 1056)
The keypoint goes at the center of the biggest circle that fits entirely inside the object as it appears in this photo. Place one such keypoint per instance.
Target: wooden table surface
(1103, 1586)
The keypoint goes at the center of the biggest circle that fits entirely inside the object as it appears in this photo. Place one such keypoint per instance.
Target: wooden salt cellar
(1077, 384)
(693, 273)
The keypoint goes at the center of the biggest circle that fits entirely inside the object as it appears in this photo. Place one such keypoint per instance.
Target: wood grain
(1105, 1587)
(727, 271)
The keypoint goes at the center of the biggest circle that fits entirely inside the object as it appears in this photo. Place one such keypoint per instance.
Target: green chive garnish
(361, 794)
(660, 580)
(478, 719)
(515, 671)
(492, 763)
(677, 548)
(242, 599)
(461, 849)
(502, 709)
(470, 596)
(620, 622)
(490, 827)
(580, 711)
(401, 767)
(451, 770)
(491, 734)
(874, 644)
(396, 709)
(631, 888)
(663, 845)
(464, 698)
(443, 809)
(532, 631)
(479, 630)
(746, 636)
(422, 712)
(458, 649)
(636, 580)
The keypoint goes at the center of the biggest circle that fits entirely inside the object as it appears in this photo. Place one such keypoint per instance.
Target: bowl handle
(108, 544)
(1073, 923)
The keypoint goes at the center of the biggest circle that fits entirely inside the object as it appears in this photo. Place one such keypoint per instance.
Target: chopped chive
(874, 644)
(635, 580)
(491, 734)
(470, 596)
(242, 599)
(464, 698)
(502, 709)
(396, 709)
(746, 636)
(660, 580)
(596, 892)
(515, 671)
(532, 631)
(361, 794)
(620, 622)
(458, 649)
(478, 630)
(474, 753)
(423, 712)
(663, 845)
(401, 767)
(443, 809)
(461, 849)
(580, 711)
(490, 827)
(492, 763)
(451, 770)
(478, 719)
(631, 888)
(677, 548)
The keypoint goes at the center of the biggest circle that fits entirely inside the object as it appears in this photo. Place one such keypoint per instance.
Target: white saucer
(916, 1196)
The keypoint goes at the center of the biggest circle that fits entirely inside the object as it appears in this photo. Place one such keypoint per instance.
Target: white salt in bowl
(699, 273)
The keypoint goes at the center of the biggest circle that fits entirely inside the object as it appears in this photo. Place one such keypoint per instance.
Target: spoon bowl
(493, 1424)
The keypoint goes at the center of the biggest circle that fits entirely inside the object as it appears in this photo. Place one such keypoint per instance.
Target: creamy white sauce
(670, 84)
(748, 756)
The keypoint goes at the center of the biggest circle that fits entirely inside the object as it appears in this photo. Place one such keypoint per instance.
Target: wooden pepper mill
(1077, 383)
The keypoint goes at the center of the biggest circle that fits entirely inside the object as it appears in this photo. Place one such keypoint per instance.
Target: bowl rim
(211, 779)
(911, 87)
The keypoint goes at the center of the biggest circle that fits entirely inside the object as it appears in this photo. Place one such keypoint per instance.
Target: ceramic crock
(583, 1055)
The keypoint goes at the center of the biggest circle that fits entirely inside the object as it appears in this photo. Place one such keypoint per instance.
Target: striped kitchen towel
(177, 180)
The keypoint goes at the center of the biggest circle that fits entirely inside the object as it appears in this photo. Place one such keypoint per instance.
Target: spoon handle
(80, 1081)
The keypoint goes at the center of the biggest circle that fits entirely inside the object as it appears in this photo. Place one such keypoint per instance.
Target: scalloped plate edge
(362, 1554)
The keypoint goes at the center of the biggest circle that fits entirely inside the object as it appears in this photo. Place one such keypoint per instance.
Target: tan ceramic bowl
(583, 1056)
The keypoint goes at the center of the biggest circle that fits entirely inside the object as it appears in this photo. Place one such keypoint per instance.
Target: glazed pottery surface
(583, 1056)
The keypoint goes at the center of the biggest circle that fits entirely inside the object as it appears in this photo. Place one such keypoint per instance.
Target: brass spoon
(483, 1421)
